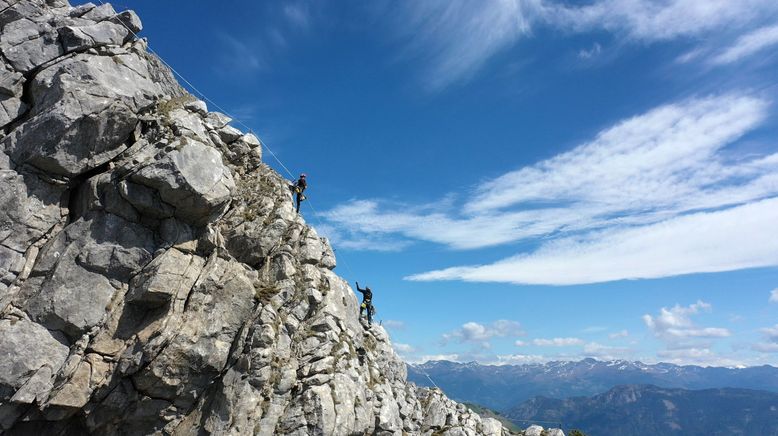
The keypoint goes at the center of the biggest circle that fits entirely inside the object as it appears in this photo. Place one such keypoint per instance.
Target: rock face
(154, 277)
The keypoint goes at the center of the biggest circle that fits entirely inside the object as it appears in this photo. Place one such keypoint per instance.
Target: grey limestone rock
(188, 124)
(75, 38)
(165, 277)
(99, 13)
(216, 120)
(241, 150)
(154, 275)
(130, 20)
(27, 348)
(13, 10)
(84, 109)
(533, 430)
(192, 179)
(197, 106)
(491, 427)
(27, 44)
(11, 89)
(229, 134)
(82, 268)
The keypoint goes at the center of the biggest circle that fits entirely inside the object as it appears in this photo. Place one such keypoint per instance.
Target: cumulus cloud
(689, 343)
(686, 342)
(675, 323)
(557, 342)
(479, 334)
(655, 195)
(774, 296)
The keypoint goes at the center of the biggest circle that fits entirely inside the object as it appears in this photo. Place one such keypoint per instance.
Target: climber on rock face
(367, 303)
(299, 188)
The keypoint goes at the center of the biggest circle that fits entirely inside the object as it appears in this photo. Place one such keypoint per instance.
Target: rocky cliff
(154, 277)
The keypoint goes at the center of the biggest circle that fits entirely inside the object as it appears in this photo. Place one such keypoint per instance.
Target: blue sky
(521, 180)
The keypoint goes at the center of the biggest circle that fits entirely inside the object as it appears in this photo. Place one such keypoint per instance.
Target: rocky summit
(154, 276)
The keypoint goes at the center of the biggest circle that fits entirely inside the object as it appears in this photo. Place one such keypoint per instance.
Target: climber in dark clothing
(367, 303)
(299, 188)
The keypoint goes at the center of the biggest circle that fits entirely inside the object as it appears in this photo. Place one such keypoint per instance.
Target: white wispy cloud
(403, 349)
(590, 53)
(704, 242)
(557, 342)
(249, 51)
(455, 38)
(748, 44)
(298, 14)
(452, 357)
(340, 236)
(689, 356)
(617, 335)
(606, 352)
(239, 56)
(665, 158)
(394, 324)
(655, 195)
(770, 340)
(480, 334)
(690, 55)
(766, 347)
(518, 359)
(244, 112)
(363, 220)
(701, 356)
(651, 20)
(774, 296)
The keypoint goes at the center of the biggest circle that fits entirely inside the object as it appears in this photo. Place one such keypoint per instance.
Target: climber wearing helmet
(367, 303)
(299, 188)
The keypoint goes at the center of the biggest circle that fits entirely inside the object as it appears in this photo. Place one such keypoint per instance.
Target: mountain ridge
(502, 386)
(647, 410)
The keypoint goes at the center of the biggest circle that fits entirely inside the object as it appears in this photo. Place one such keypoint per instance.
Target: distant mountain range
(503, 387)
(644, 410)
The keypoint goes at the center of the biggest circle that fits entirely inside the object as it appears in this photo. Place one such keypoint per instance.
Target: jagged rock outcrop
(154, 277)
